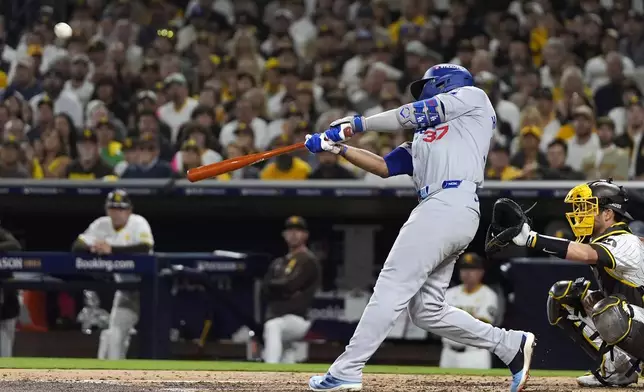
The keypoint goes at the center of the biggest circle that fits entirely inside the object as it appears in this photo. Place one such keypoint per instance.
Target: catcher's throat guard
(507, 222)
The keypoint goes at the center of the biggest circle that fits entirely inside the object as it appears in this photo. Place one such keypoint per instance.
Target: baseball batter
(477, 299)
(453, 123)
(119, 232)
(607, 323)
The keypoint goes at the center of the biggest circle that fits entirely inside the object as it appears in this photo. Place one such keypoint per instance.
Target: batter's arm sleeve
(8, 243)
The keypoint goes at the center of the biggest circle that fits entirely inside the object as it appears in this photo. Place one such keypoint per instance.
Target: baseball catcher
(607, 323)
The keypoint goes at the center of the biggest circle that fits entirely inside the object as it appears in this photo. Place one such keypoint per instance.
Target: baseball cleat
(520, 365)
(330, 383)
(613, 380)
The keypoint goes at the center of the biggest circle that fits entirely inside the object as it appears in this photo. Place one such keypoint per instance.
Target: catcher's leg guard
(565, 300)
(617, 325)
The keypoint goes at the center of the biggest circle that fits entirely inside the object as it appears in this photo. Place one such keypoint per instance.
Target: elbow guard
(422, 114)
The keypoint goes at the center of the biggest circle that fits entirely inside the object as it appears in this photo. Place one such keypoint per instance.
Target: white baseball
(62, 30)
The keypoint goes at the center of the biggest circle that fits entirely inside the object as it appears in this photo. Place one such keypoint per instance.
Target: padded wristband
(551, 245)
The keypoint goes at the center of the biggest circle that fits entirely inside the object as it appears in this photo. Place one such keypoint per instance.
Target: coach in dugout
(119, 232)
(289, 287)
(9, 307)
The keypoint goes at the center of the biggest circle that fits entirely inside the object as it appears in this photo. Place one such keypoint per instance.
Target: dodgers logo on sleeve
(419, 114)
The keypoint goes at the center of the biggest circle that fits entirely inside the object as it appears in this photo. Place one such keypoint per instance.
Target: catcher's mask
(588, 200)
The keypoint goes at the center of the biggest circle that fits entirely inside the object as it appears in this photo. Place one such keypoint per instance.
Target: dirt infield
(16, 380)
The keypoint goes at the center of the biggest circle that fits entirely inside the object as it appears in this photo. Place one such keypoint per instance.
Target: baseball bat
(218, 168)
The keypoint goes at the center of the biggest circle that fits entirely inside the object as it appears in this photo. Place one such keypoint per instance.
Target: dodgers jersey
(456, 147)
(620, 263)
(136, 231)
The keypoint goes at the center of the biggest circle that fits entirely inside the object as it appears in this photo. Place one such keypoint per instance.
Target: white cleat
(614, 380)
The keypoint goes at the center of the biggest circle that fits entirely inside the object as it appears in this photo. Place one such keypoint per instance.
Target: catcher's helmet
(118, 198)
(440, 78)
(589, 199)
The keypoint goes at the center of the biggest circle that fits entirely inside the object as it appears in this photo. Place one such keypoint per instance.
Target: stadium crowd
(150, 88)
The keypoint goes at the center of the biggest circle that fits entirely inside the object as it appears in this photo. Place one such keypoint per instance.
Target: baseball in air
(62, 30)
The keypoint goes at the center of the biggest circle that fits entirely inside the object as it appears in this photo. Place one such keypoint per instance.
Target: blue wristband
(343, 151)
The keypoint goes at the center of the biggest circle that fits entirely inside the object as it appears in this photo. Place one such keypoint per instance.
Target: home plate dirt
(17, 380)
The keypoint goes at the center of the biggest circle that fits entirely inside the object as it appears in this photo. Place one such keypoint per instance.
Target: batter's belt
(430, 190)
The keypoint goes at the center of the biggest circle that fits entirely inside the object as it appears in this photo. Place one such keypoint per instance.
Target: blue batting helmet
(441, 78)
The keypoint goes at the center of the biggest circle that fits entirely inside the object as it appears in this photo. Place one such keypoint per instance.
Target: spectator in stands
(79, 82)
(45, 117)
(63, 124)
(64, 102)
(499, 167)
(529, 159)
(609, 95)
(11, 165)
(55, 158)
(150, 165)
(505, 110)
(180, 106)
(130, 155)
(286, 166)
(148, 123)
(110, 148)
(24, 80)
(557, 169)
(585, 140)
(288, 288)
(191, 157)
(596, 69)
(245, 114)
(631, 140)
(105, 91)
(88, 165)
(609, 161)
(329, 169)
(201, 139)
(550, 124)
(632, 45)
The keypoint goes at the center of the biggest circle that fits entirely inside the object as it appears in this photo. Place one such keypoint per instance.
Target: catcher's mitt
(507, 221)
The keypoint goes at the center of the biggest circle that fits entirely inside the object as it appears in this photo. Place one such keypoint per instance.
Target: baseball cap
(81, 57)
(190, 145)
(128, 144)
(272, 63)
(295, 222)
(417, 48)
(532, 130)
(146, 94)
(634, 100)
(148, 140)
(175, 78)
(584, 110)
(118, 198)
(45, 100)
(470, 260)
(606, 121)
(34, 50)
(88, 136)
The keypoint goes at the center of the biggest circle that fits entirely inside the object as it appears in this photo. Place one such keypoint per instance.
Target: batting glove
(522, 238)
(342, 129)
(317, 143)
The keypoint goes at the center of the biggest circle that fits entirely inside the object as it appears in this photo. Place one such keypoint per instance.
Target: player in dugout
(119, 232)
(480, 301)
(289, 287)
(9, 306)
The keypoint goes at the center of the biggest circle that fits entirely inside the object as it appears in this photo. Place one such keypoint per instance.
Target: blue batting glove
(313, 143)
(342, 129)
